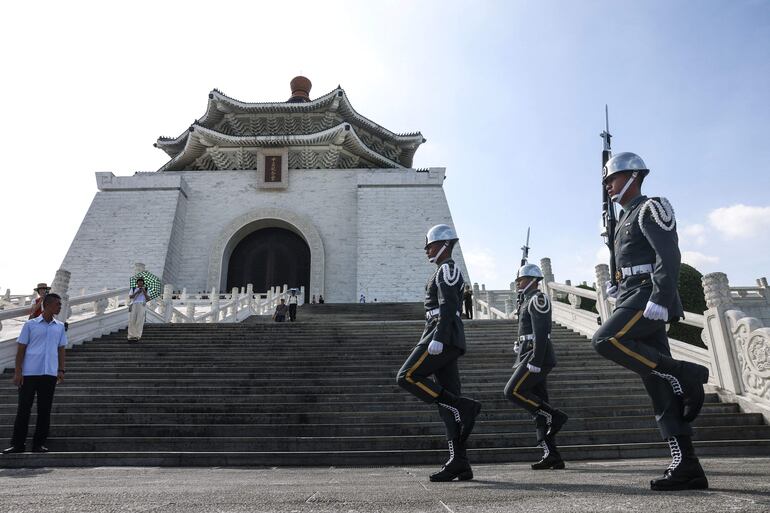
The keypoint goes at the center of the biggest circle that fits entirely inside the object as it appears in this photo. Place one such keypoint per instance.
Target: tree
(693, 300)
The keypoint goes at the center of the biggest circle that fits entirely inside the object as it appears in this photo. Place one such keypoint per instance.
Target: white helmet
(440, 232)
(529, 271)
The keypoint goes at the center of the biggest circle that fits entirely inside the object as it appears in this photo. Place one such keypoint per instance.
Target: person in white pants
(137, 300)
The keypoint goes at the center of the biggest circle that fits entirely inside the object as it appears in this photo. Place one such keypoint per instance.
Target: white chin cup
(441, 251)
(617, 197)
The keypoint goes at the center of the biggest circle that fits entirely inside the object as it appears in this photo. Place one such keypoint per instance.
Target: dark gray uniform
(443, 302)
(525, 388)
(647, 259)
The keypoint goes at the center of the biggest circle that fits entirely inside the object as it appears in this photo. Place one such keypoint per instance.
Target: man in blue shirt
(39, 367)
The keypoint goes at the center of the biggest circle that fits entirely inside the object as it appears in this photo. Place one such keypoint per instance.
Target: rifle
(524, 257)
(525, 250)
(608, 208)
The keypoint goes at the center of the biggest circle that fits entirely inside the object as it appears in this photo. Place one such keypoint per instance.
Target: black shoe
(551, 457)
(687, 380)
(469, 410)
(40, 448)
(454, 469)
(688, 475)
(558, 419)
(14, 449)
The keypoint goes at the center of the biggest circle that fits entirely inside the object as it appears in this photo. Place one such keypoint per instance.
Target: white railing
(90, 316)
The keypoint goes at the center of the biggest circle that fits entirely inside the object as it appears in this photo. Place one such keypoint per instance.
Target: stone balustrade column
(100, 305)
(603, 305)
(508, 307)
(548, 277)
(138, 268)
(234, 301)
(214, 297)
(716, 333)
(302, 295)
(61, 285)
(168, 305)
(250, 295)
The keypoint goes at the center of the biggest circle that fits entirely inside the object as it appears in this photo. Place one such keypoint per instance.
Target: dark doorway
(270, 257)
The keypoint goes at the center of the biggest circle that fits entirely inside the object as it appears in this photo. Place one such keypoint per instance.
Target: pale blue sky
(510, 96)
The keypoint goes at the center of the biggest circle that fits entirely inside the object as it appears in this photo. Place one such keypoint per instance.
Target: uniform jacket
(646, 234)
(535, 318)
(444, 291)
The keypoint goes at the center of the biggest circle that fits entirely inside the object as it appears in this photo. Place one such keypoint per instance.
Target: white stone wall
(395, 210)
(131, 219)
(372, 224)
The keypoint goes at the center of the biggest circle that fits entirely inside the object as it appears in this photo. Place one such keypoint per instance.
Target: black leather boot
(558, 419)
(456, 467)
(685, 472)
(464, 409)
(551, 458)
(687, 380)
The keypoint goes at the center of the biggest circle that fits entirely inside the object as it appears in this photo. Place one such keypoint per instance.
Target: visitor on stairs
(280, 311)
(136, 310)
(647, 258)
(37, 307)
(534, 361)
(293, 301)
(39, 367)
(436, 354)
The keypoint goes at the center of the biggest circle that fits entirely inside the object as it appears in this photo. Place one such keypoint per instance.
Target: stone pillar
(250, 295)
(508, 307)
(100, 305)
(61, 285)
(716, 333)
(603, 305)
(168, 304)
(214, 297)
(234, 301)
(301, 295)
(138, 268)
(545, 267)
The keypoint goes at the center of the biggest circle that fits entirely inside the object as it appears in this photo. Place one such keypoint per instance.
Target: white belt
(637, 269)
(429, 314)
(531, 336)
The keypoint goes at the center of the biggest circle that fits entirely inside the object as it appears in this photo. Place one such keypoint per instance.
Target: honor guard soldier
(436, 354)
(647, 260)
(534, 360)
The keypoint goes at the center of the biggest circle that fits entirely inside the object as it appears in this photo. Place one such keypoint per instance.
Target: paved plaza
(736, 485)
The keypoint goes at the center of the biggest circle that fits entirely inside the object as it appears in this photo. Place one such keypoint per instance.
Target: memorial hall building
(300, 193)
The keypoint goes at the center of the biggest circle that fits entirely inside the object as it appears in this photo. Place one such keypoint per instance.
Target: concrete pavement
(736, 485)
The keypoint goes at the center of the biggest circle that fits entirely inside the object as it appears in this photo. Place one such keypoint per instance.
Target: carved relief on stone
(752, 343)
(716, 288)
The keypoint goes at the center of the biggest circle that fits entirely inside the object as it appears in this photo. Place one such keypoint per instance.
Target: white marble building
(303, 192)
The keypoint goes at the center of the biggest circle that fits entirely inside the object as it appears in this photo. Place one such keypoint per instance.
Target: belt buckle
(618, 276)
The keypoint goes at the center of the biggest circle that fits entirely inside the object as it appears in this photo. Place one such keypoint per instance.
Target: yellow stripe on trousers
(521, 397)
(422, 386)
(632, 354)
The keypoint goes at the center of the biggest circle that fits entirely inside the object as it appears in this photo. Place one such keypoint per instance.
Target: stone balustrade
(90, 316)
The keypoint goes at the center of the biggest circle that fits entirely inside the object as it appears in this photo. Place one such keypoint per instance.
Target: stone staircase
(322, 392)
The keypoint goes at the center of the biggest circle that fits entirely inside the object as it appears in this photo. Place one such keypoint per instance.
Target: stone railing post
(100, 305)
(61, 285)
(508, 307)
(716, 333)
(138, 268)
(302, 295)
(214, 297)
(234, 301)
(548, 277)
(168, 305)
(250, 296)
(602, 303)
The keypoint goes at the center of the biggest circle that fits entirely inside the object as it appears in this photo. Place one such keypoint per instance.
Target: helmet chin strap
(433, 259)
(617, 197)
(525, 289)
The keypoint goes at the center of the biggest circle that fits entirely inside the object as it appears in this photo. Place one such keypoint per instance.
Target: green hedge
(693, 300)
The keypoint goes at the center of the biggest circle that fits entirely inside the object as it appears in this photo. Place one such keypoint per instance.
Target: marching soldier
(647, 259)
(535, 359)
(436, 354)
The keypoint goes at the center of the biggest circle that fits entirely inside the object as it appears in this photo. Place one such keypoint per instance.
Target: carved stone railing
(90, 316)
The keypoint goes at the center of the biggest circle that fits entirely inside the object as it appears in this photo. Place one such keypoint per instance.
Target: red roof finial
(300, 89)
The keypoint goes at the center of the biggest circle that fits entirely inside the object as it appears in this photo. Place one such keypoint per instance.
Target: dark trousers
(43, 387)
(469, 310)
(528, 390)
(415, 377)
(637, 343)
(292, 312)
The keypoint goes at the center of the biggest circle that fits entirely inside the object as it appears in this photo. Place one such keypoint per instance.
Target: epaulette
(661, 212)
(449, 273)
(540, 303)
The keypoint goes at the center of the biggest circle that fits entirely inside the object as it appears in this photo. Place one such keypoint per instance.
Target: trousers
(637, 343)
(44, 387)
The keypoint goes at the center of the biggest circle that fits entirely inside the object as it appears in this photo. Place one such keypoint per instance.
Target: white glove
(435, 347)
(533, 369)
(655, 312)
(516, 346)
(611, 289)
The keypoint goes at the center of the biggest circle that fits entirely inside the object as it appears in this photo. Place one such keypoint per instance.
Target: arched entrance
(270, 257)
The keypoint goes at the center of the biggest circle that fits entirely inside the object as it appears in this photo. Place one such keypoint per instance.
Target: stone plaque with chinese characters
(272, 168)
